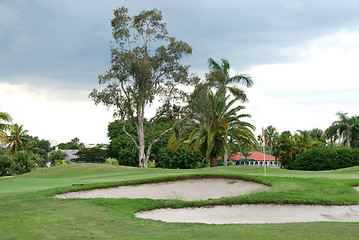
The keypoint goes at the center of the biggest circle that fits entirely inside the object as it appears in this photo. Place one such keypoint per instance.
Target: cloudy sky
(302, 55)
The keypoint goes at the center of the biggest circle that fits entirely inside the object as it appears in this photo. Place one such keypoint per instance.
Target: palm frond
(213, 65)
(243, 79)
(238, 94)
(225, 66)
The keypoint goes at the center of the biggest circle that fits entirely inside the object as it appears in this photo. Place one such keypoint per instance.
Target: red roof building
(254, 156)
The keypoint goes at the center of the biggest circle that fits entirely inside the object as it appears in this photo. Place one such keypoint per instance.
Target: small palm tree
(5, 126)
(210, 132)
(17, 139)
(219, 77)
(317, 134)
(271, 135)
(331, 134)
(347, 127)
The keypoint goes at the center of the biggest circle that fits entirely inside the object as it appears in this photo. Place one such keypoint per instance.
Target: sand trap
(187, 190)
(357, 188)
(262, 213)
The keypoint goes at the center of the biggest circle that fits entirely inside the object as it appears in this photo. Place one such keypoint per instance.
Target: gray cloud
(69, 40)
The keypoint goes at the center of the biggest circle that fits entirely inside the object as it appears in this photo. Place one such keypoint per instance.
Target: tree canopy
(347, 128)
(219, 77)
(210, 131)
(145, 65)
(5, 126)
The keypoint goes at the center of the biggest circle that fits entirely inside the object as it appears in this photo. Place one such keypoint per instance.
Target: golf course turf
(28, 209)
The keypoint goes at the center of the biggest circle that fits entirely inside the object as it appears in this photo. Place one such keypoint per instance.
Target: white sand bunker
(187, 190)
(263, 213)
(357, 188)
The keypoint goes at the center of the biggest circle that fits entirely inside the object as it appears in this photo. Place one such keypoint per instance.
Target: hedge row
(319, 159)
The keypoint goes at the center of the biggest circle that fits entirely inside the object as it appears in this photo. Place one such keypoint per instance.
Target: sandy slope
(188, 190)
(261, 213)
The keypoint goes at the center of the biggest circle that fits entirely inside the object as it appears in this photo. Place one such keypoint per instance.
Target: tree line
(285, 146)
(20, 153)
(146, 65)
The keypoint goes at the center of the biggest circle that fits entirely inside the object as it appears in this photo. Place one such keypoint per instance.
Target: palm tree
(219, 77)
(317, 134)
(331, 134)
(347, 127)
(5, 126)
(271, 135)
(209, 132)
(354, 132)
(18, 139)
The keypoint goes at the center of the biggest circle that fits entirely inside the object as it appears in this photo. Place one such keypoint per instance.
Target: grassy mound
(27, 211)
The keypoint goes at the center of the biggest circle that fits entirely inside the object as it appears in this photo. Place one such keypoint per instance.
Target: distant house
(255, 159)
(70, 154)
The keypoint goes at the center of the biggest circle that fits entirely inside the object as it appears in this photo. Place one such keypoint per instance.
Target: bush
(152, 164)
(56, 155)
(91, 155)
(60, 162)
(319, 159)
(6, 165)
(22, 163)
(179, 159)
(111, 161)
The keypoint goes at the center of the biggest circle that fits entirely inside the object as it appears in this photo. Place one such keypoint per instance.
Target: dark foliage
(56, 155)
(91, 155)
(6, 165)
(124, 150)
(168, 158)
(22, 163)
(318, 159)
(73, 144)
(40, 143)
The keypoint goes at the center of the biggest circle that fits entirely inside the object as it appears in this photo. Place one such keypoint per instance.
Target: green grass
(27, 210)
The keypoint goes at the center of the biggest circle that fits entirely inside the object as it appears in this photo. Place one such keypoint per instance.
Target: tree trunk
(141, 137)
(225, 158)
(214, 162)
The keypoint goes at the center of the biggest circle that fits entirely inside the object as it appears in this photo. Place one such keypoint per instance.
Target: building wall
(70, 154)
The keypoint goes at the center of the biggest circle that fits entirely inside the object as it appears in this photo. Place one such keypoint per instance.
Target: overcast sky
(302, 55)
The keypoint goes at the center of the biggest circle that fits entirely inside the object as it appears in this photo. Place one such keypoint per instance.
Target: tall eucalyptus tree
(145, 67)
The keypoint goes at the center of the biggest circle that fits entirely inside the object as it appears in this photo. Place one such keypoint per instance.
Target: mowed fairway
(28, 210)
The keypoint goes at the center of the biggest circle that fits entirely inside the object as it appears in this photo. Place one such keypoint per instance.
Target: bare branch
(163, 133)
(133, 140)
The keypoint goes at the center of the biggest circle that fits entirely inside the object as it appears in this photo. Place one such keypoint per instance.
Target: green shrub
(230, 163)
(152, 164)
(112, 161)
(91, 155)
(6, 165)
(319, 159)
(221, 162)
(22, 163)
(60, 162)
(56, 155)
(168, 158)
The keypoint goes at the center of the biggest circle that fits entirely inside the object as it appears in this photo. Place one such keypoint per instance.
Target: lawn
(27, 210)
